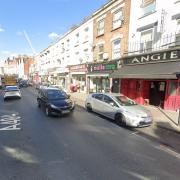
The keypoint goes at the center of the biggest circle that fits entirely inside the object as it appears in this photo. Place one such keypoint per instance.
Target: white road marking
(10, 122)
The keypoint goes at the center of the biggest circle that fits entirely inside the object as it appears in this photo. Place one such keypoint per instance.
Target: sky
(41, 20)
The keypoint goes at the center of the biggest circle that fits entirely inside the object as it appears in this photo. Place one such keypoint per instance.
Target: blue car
(54, 101)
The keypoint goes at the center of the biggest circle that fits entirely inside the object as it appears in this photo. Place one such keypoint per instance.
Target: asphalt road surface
(83, 146)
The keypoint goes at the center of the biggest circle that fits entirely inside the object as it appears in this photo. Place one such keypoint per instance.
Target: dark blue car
(54, 101)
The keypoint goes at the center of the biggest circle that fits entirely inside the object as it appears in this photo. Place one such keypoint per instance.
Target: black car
(54, 101)
(23, 83)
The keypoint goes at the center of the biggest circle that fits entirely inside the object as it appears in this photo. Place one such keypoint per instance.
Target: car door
(97, 102)
(44, 98)
(110, 107)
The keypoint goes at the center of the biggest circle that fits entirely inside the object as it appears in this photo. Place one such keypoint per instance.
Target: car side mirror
(68, 96)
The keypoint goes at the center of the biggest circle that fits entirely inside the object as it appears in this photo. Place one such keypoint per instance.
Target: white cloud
(5, 52)
(53, 36)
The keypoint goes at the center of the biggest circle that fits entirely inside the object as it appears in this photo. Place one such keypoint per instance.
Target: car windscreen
(11, 88)
(56, 94)
(124, 101)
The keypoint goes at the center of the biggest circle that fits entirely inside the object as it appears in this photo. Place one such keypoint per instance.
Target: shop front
(98, 76)
(152, 78)
(62, 79)
(78, 77)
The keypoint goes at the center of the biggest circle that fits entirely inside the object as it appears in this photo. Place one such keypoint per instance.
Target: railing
(159, 43)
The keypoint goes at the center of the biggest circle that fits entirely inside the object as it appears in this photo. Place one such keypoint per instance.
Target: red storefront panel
(172, 101)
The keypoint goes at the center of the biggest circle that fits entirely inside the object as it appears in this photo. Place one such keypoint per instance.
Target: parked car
(54, 101)
(11, 92)
(23, 83)
(119, 108)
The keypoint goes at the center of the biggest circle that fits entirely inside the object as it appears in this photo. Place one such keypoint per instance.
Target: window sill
(147, 14)
(99, 35)
(114, 29)
(178, 1)
(85, 42)
(76, 45)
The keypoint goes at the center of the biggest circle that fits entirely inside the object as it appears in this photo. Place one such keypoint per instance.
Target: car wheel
(120, 119)
(47, 110)
(89, 107)
(39, 104)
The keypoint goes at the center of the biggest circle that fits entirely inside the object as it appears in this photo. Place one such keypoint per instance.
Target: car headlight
(53, 106)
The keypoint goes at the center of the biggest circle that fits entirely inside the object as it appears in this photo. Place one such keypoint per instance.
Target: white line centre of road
(10, 122)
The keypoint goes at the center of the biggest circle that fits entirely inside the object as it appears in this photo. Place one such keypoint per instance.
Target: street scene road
(82, 146)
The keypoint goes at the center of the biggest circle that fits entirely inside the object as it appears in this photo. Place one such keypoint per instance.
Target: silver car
(119, 108)
(12, 91)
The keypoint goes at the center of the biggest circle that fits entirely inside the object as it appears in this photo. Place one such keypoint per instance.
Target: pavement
(165, 128)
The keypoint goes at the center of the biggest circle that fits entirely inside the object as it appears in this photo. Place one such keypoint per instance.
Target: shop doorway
(157, 93)
(115, 85)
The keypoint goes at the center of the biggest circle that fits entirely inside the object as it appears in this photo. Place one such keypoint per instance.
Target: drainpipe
(178, 77)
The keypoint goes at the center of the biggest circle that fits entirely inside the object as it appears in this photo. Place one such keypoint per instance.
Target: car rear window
(11, 88)
(56, 94)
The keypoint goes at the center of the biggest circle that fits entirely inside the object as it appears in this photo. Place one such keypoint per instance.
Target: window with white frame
(86, 35)
(100, 27)
(178, 33)
(117, 19)
(86, 55)
(146, 40)
(100, 51)
(77, 53)
(116, 48)
(77, 38)
(68, 44)
(147, 7)
(62, 47)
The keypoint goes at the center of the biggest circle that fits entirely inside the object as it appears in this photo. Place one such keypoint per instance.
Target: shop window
(179, 88)
(172, 88)
(162, 86)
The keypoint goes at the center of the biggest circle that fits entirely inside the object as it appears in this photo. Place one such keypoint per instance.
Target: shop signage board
(102, 67)
(164, 56)
(78, 68)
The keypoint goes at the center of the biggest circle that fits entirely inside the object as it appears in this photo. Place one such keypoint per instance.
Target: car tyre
(120, 119)
(39, 104)
(48, 112)
(89, 107)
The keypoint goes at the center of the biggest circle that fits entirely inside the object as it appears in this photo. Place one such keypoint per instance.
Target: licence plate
(148, 119)
(65, 111)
